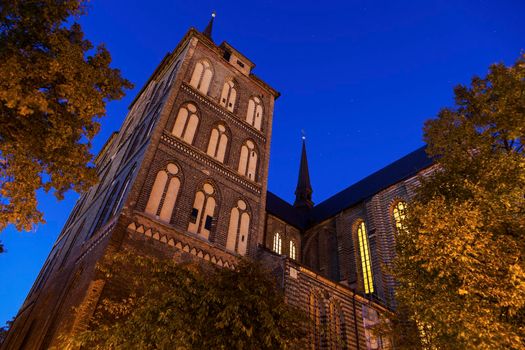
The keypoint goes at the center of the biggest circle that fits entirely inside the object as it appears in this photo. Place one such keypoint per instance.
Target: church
(186, 177)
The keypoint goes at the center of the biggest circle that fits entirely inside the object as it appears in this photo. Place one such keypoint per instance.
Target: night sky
(359, 77)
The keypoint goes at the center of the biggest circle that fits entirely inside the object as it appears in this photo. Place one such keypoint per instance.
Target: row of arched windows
(163, 200)
(278, 245)
(185, 127)
(201, 80)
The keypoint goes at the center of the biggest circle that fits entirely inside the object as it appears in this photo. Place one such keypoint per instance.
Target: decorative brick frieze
(219, 109)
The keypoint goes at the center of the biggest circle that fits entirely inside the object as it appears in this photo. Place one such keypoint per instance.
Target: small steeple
(207, 31)
(303, 192)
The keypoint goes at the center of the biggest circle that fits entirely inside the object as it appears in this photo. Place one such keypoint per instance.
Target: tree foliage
(5, 329)
(461, 257)
(172, 306)
(54, 86)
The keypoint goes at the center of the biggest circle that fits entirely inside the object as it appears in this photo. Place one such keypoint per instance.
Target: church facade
(186, 177)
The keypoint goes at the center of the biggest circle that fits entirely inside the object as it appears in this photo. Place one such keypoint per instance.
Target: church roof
(393, 173)
(284, 211)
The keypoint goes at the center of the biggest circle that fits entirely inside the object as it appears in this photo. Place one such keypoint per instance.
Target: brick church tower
(187, 170)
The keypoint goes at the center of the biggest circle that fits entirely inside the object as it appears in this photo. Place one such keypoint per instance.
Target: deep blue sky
(360, 77)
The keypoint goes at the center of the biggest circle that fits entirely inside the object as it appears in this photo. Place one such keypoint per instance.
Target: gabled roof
(284, 211)
(397, 171)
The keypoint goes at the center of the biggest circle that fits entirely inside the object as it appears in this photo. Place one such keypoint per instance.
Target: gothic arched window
(172, 74)
(366, 261)
(123, 191)
(314, 312)
(186, 123)
(238, 229)
(164, 193)
(293, 250)
(254, 114)
(248, 160)
(218, 143)
(105, 211)
(277, 243)
(337, 333)
(228, 96)
(399, 214)
(203, 211)
(158, 91)
(201, 77)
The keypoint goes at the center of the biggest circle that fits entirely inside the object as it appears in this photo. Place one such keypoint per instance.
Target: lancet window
(277, 243)
(201, 217)
(366, 261)
(239, 228)
(201, 77)
(228, 96)
(399, 214)
(218, 143)
(254, 114)
(164, 193)
(248, 160)
(186, 123)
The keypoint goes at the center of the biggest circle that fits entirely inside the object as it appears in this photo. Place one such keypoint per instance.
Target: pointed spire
(303, 192)
(207, 31)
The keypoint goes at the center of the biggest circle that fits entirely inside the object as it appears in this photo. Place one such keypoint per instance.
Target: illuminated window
(228, 96)
(277, 243)
(366, 263)
(399, 214)
(203, 210)
(248, 160)
(186, 123)
(165, 190)
(201, 77)
(254, 114)
(238, 229)
(293, 253)
(218, 143)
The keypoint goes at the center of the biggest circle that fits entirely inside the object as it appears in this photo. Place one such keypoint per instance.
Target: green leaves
(461, 259)
(52, 93)
(173, 306)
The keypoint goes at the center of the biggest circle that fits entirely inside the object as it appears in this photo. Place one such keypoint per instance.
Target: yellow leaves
(50, 99)
(461, 262)
(462, 291)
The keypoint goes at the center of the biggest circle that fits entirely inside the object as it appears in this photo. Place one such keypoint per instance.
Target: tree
(4, 330)
(461, 257)
(53, 90)
(187, 306)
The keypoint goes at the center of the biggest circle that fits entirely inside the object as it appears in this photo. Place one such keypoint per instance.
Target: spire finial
(207, 31)
(303, 192)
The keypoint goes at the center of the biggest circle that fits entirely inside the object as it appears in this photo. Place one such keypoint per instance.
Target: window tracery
(163, 195)
(201, 77)
(186, 123)
(202, 214)
(238, 228)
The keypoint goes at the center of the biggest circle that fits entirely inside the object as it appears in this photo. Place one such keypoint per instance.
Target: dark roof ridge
(389, 175)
